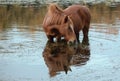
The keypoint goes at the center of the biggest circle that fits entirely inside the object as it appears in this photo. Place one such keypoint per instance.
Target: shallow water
(25, 54)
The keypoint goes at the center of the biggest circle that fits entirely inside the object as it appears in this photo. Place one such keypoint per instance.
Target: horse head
(67, 29)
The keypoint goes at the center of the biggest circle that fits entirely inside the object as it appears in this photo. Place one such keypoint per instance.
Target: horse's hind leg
(85, 35)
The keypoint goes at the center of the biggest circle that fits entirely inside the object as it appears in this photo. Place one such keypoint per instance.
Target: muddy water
(25, 54)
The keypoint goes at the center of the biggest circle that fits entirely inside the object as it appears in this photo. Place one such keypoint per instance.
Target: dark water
(25, 54)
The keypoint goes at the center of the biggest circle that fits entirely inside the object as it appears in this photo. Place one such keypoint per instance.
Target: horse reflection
(60, 56)
(81, 56)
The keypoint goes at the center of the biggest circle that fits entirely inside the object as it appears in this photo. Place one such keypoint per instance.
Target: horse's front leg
(77, 37)
(58, 38)
(50, 38)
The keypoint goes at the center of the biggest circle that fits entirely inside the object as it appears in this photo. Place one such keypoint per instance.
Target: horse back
(80, 16)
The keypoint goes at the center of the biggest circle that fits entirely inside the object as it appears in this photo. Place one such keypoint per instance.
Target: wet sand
(22, 51)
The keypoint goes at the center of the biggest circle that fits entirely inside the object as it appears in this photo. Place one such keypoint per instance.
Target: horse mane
(55, 15)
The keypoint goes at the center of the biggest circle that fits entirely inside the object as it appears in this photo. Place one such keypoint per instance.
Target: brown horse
(67, 23)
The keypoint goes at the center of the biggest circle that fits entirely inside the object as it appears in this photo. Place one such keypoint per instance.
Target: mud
(25, 54)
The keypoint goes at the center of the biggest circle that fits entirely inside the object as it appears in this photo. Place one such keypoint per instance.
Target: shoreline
(36, 3)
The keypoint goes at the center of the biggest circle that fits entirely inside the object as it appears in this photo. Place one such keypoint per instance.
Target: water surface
(25, 54)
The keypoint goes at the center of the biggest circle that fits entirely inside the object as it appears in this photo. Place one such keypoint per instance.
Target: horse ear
(70, 19)
(66, 19)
